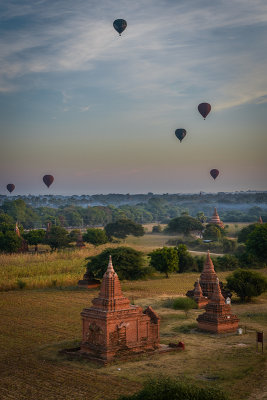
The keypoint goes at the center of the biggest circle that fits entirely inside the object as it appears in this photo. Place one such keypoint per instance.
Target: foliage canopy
(246, 284)
(128, 263)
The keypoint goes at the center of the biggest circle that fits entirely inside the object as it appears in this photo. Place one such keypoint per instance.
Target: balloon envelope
(214, 173)
(180, 134)
(204, 109)
(119, 25)
(48, 180)
(10, 187)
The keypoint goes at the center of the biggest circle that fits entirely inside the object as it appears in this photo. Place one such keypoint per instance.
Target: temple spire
(217, 296)
(208, 266)
(215, 219)
(110, 296)
(17, 229)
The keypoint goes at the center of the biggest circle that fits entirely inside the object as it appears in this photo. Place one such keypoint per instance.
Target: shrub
(246, 284)
(128, 263)
(21, 284)
(95, 236)
(156, 229)
(224, 263)
(184, 303)
(164, 388)
(186, 261)
(228, 245)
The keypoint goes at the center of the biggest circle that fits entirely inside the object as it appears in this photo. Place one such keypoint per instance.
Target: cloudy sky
(99, 111)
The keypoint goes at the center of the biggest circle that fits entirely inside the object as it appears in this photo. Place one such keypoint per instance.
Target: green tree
(184, 224)
(228, 245)
(213, 232)
(95, 236)
(244, 233)
(128, 263)
(201, 217)
(246, 284)
(186, 261)
(124, 227)
(57, 238)
(35, 237)
(256, 242)
(224, 263)
(164, 260)
(156, 229)
(74, 235)
(10, 242)
(165, 388)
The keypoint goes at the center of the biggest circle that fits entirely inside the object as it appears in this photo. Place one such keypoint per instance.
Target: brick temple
(80, 243)
(207, 281)
(114, 328)
(215, 219)
(217, 318)
(198, 296)
(24, 248)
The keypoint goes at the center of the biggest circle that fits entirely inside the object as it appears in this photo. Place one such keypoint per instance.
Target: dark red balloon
(48, 180)
(120, 25)
(214, 173)
(10, 187)
(180, 134)
(204, 109)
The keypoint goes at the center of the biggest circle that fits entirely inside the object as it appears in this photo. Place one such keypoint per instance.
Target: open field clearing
(36, 324)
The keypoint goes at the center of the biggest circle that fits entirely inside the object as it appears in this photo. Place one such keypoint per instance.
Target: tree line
(155, 209)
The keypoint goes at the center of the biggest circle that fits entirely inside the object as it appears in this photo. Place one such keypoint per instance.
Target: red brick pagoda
(201, 300)
(24, 248)
(260, 220)
(207, 281)
(218, 317)
(80, 243)
(215, 219)
(113, 328)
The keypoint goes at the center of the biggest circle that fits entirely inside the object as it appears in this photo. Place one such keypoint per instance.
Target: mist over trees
(99, 210)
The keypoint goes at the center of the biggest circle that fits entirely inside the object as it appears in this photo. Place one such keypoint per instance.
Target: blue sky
(99, 111)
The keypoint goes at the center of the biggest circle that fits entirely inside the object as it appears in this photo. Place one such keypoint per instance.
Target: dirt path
(204, 252)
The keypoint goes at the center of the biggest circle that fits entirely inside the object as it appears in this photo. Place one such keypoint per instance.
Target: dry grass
(36, 324)
(62, 268)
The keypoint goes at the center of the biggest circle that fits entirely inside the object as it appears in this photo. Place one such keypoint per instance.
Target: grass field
(36, 324)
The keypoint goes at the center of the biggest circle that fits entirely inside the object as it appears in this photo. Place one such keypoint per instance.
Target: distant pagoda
(217, 318)
(260, 220)
(215, 219)
(114, 328)
(80, 242)
(207, 281)
(24, 248)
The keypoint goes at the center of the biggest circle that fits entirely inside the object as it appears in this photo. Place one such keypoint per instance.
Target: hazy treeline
(98, 210)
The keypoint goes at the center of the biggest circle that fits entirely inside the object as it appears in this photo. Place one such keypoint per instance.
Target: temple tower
(207, 281)
(24, 248)
(260, 220)
(218, 317)
(113, 327)
(201, 300)
(80, 242)
(215, 219)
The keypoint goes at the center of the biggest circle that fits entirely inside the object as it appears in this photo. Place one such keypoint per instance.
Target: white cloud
(168, 49)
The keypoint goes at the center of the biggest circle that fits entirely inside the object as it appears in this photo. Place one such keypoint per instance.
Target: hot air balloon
(204, 109)
(119, 25)
(10, 187)
(180, 134)
(48, 180)
(214, 173)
